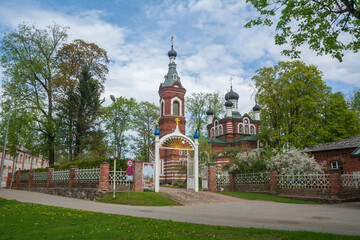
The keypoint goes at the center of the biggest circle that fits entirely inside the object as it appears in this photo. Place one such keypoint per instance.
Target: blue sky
(209, 37)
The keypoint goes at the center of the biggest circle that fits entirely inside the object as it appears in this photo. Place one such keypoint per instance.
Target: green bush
(120, 164)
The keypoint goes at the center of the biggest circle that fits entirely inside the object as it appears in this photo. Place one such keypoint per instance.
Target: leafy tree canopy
(196, 106)
(329, 27)
(298, 109)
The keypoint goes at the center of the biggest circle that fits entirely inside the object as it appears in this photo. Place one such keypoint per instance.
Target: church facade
(233, 129)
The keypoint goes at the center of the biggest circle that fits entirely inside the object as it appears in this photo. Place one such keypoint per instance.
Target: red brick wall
(349, 164)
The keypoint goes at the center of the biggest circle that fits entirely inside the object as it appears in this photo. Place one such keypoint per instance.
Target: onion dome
(209, 112)
(231, 95)
(228, 103)
(172, 52)
(256, 108)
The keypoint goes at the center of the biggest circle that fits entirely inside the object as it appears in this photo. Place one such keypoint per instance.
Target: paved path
(193, 198)
(339, 218)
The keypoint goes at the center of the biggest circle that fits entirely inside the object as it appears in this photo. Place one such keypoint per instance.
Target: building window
(180, 152)
(252, 130)
(246, 129)
(240, 128)
(337, 165)
(176, 108)
(185, 152)
(162, 109)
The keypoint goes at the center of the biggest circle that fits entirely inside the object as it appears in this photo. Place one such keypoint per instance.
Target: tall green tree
(28, 55)
(145, 119)
(196, 106)
(72, 58)
(338, 120)
(88, 111)
(354, 100)
(328, 27)
(119, 119)
(289, 95)
(298, 109)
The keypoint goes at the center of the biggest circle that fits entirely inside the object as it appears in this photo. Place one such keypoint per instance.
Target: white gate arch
(176, 140)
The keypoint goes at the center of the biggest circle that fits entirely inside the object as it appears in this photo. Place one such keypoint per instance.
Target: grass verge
(266, 197)
(139, 199)
(33, 221)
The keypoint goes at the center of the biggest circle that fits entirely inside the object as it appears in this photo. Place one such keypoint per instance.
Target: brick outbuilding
(343, 155)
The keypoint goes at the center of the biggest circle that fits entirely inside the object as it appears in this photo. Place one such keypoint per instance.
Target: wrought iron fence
(222, 179)
(120, 179)
(87, 175)
(252, 178)
(60, 176)
(24, 177)
(309, 181)
(351, 180)
(40, 177)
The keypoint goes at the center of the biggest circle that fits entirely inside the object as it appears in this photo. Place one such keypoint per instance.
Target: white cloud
(209, 36)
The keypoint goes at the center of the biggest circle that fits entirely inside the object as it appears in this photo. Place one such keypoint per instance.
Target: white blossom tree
(294, 162)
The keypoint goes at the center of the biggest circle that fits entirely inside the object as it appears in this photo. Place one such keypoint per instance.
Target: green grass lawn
(266, 197)
(33, 221)
(139, 199)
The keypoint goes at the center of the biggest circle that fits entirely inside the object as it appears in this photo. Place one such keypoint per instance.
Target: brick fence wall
(72, 188)
(337, 191)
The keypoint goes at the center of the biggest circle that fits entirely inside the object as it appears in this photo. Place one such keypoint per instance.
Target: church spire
(172, 76)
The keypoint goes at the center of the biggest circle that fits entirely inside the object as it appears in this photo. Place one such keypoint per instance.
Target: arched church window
(162, 109)
(240, 128)
(176, 108)
(252, 130)
(246, 129)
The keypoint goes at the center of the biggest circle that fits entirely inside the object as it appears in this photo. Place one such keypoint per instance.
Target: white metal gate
(203, 174)
(190, 174)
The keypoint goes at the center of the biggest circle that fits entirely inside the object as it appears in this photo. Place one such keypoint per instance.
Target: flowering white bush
(250, 161)
(294, 162)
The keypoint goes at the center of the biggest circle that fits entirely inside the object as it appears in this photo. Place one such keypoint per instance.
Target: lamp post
(115, 120)
(4, 152)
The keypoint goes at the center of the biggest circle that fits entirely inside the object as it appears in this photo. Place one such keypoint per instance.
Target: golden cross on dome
(177, 121)
(156, 122)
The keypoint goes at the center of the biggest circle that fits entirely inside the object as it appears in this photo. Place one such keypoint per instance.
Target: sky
(209, 37)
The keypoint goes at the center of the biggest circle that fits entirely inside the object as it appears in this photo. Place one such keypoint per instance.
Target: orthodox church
(233, 129)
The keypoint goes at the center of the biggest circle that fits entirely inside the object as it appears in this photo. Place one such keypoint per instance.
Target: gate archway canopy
(177, 140)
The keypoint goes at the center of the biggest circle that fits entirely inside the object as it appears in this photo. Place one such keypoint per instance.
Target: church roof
(171, 77)
(248, 138)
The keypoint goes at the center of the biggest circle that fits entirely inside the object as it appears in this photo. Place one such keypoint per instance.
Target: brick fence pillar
(212, 177)
(18, 175)
(138, 176)
(49, 177)
(31, 178)
(8, 180)
(232, 181)
(273, 181)
(337, 191)
(72, 179)
(104, 176)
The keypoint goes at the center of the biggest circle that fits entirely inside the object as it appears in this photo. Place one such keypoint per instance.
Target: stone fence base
(81, 193)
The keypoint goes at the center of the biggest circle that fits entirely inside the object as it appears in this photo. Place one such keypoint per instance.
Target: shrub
(294, 162)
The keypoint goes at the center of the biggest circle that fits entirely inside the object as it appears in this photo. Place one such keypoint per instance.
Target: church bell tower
(172, 99)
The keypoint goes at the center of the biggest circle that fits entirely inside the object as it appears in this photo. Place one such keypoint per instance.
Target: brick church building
(233, 129)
